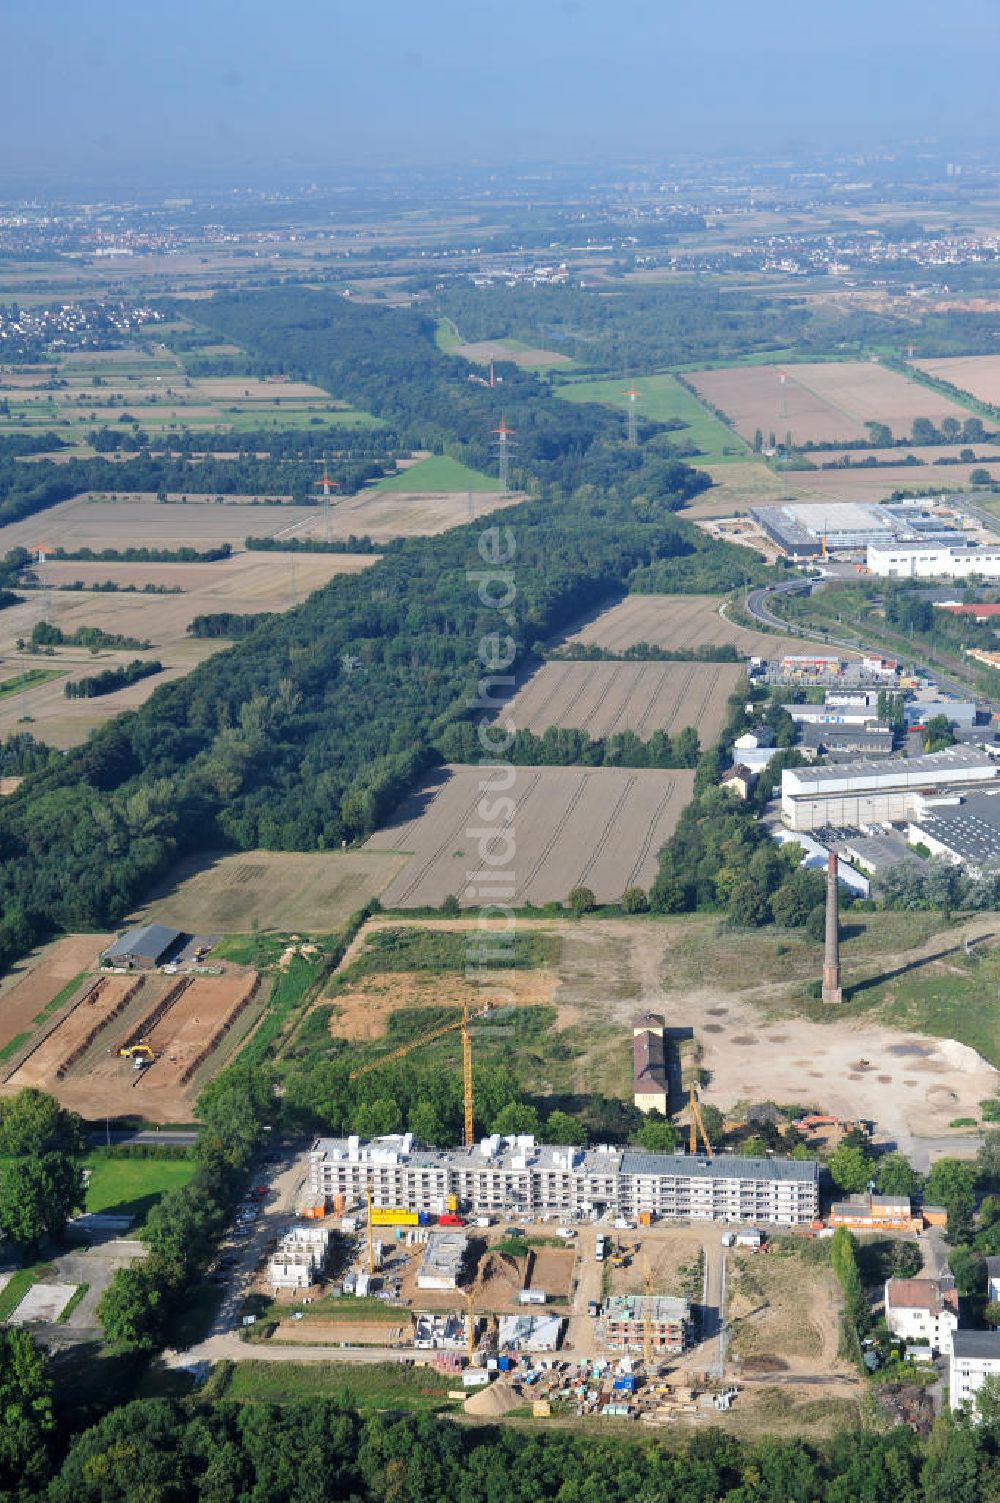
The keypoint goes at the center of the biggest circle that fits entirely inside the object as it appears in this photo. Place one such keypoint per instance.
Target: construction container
(531, 1297)
(475, 1377)
(393, 1216)
(450, 1219)
(541, 1409)
(339, 1203)
(625, 1383)
(314, 1213)
(424, 1218)
(504, 1364)
(453, 1202)
(645, 1218)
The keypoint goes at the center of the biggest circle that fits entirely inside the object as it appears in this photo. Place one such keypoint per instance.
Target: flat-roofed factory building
(856, 794)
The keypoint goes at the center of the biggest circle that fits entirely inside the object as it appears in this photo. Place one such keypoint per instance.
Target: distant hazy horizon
(111, 90)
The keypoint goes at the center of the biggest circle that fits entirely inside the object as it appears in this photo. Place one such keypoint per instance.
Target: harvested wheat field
(979, 375)
(822, 403)
(738, 487)
(601, 828)
(34, 983)
(678, 623)
(362, 1010)
(280, 890)
(603, 698)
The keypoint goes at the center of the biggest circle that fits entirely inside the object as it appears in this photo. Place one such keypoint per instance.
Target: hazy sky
(169, 86)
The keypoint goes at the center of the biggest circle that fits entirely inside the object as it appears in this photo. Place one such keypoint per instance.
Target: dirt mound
(493, 1402)
(501, 1276)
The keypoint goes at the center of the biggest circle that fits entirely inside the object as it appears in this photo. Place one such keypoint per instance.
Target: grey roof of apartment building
(976, 1344)
(723, 1166)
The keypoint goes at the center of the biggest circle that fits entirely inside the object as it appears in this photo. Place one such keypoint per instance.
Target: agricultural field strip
(979, 375)
(191, 1022)
(820, 402)
(602, 698)
(562, 826)
(676, 622)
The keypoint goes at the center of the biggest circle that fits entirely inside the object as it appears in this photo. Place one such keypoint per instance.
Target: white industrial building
(929, 560)
(975, 1356)
(965, 830)
(863, 793)
(509, 1175)
(923, 1310)
(299, 1258)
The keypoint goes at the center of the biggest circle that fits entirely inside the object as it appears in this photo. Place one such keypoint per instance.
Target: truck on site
(600, 1249)
(141, 1055)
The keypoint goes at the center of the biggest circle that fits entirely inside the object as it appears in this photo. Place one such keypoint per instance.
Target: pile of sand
(493, 1402)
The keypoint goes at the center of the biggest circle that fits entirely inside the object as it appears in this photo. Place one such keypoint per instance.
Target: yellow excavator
(141, 1055)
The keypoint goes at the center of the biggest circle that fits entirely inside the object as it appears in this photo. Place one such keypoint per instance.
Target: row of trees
(111, 679)
(558, 747)
(183, 1229)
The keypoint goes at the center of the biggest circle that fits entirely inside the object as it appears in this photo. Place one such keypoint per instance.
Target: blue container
(503, 1363)
(424, 1218)
(625, 1384)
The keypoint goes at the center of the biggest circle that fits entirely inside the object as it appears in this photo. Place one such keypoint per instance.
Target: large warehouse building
(861, 793)
(805, 530)
(506, 1176)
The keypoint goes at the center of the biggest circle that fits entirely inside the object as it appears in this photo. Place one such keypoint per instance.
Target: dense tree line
(559, 747)
(302, 1452)
(647, 652)
(184, 1228)
(145, 555)
(350, 544)
(111, 679)
(228, 624)
(385, 360)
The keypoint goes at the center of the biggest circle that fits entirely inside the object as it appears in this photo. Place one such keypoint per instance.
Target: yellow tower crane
(697, 1126)
(462, 1026)
(470, 1320)
(647, 1322)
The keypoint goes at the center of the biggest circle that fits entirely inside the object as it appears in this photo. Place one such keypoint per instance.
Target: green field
(664, 399)
(378, 1385)
(132, 1187)
(27, 680)
(439, 473)
(446, 336)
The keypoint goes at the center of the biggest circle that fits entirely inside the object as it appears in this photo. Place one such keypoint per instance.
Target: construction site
(131, 1041)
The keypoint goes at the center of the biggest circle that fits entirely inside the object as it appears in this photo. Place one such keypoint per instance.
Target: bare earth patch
(362, 1011)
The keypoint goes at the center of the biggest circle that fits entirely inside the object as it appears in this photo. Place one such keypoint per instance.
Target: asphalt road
(757, 607)
(148, 1137)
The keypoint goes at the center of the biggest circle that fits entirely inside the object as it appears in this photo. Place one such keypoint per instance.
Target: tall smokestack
(831, 955)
